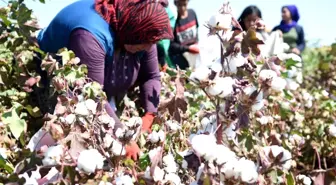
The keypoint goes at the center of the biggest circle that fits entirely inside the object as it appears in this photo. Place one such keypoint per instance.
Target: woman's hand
(296, 51)
(147, 121)
(132, 150)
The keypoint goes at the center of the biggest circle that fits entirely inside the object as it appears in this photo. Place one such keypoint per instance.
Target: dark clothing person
(185, 35)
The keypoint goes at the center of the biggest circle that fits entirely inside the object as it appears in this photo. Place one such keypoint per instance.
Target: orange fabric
(194, 49)
(147, 121)
(132, 150)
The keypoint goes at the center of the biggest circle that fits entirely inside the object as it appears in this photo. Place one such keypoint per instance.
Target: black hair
(248, 11)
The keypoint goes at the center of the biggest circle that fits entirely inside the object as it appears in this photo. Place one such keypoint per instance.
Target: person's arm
(197, 25)
(301, 44)
(91, 53)
(175, 46)
(150, 81)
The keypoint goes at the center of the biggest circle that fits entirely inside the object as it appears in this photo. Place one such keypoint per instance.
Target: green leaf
(129, 162)
(144, 161)
(290, 63)
(249, 142)
(35, 112)
(42, 1)
(14, 122)
(5, 166)
(5, 20)
(206, 180)
(290, 179)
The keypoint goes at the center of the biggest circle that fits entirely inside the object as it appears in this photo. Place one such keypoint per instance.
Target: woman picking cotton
(293, 33)
(117, 45)
(273, 42)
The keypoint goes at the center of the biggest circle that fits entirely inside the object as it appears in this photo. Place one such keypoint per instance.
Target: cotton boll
(90, 160)
(106, 119)
(173, 125)
(3, 153)
(217, 66)
(200, 74)
(134, 122)
(246, 169)
(91, 105)
(70, 119)
(263, 120)
(121, 132)
(291, 84)
(332, 130)
(224, 154)
(202, 144)
(124, 180)
(172, 177)
(81, 109)
(158, 174)
(249, 90)
(152, 153)
(267, 74)
(155, 137)
(257, 106)
(222, 87)
(233, 63)
(278, 84)
(117, 148)
(169, 161)
(184, 164)
(229, 168)
(304, 179)
(53, 155)
(108, 140)
(221, 21)
(230, 131)
(296, 139)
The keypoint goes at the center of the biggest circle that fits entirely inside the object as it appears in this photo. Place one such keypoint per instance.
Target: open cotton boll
(106, 119)
(292, 85)
(247, 171)
(202, 144)
(53, 155)
(257, 106)
(91, 105)
(220, 21)
(222, 87)
(249, 90)
(200, 74)
(224, 154)
(233, 63)
(264, 120)
(117, 148)
(158, 174)
(173, 125)
(216, 66)
(90, 160)
(81, 109)
(124, 180)
(3, 153)
(229, 168)
(134, 122)
(278, 84)
(276, 150)
(209, 124)
(230, 131)
(70, 119)
(332, 130)
(155, 137)
(304, 179)
(170, 164)
(121, 132)
(172, 177)
(152, 153)
(267, 74)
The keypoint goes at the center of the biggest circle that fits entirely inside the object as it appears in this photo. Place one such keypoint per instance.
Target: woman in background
(293, 33)
(273, 42)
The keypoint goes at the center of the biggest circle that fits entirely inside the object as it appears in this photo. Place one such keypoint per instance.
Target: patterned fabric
(136, 21)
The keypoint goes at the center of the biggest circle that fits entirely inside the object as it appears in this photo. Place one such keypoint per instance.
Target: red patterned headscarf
(136, 21)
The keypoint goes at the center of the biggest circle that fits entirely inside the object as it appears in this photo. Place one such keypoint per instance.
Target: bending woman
(117, 45)
(293, 33)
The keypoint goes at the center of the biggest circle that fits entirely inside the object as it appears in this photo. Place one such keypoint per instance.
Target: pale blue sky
(316, 15)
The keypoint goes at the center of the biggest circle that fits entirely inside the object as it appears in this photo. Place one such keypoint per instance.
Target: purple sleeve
(91, 53)
(149, 77)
